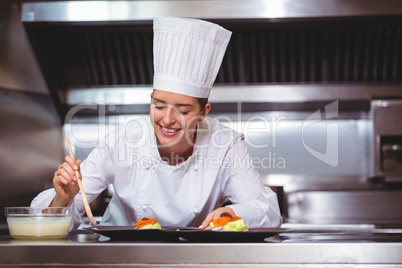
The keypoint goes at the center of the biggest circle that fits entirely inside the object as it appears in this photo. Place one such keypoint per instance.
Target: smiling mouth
(170, 130)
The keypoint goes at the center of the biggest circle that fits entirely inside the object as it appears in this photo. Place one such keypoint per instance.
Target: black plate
(191, 234)
(251, 235)
(129, 233)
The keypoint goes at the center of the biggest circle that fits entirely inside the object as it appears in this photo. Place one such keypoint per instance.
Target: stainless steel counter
(299, 248)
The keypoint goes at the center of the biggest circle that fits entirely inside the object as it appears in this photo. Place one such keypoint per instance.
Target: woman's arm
(97, 173)
(255, 203)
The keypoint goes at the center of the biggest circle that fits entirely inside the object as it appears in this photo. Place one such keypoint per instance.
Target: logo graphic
(330, 156)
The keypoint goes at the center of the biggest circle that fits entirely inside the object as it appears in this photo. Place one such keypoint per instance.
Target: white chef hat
(187, 55)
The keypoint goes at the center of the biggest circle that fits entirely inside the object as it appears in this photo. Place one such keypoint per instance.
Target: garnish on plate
(147, 223)
(228, 222)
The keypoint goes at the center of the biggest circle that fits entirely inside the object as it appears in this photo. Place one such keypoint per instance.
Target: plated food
(147, 223)
(184, 234)
(227, 228)
(228, 223)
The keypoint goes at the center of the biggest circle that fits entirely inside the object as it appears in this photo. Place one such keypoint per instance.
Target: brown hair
(202, 102)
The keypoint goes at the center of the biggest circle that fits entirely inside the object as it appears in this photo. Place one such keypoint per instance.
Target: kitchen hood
(280, 51)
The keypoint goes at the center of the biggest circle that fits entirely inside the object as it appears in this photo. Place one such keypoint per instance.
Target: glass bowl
(38, 222)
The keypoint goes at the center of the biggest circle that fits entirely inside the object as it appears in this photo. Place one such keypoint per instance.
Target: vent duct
(356, 51)
(314, 55)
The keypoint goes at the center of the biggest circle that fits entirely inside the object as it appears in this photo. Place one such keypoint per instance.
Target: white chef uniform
(180, 195)
(187, 57)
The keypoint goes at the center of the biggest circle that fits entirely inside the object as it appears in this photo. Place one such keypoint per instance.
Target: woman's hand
(214, 215)
(65, 182)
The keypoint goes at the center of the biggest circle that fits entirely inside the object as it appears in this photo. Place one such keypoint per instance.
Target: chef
(183, 165)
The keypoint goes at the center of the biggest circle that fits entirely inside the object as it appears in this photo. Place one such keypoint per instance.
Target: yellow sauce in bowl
(41, 227)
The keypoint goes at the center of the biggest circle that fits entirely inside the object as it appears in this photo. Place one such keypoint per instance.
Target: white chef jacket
(181, 195)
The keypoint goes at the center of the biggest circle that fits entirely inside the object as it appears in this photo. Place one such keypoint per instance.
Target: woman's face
(174, 117)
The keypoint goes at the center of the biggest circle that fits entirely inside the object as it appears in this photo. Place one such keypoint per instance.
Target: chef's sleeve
(255, 203)
(97, 173)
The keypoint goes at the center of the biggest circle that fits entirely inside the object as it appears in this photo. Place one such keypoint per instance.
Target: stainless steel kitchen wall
(30, 129)
(280, 143)
(19, 69)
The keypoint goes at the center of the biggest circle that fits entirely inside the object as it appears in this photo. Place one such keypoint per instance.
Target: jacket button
(195, 210)
(144, 207)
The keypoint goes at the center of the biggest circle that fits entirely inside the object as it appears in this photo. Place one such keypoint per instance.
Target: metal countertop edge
(205, 253)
